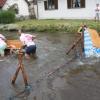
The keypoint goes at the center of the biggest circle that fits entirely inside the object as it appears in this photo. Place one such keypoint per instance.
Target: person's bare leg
(2, 53)
(27, 56)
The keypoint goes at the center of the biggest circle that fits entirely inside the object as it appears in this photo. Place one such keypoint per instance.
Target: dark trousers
(31, 49)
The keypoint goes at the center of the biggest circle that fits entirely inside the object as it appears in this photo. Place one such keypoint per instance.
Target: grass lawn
(68, 26)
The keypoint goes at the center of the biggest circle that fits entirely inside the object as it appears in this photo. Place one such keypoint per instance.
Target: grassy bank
(68, 26)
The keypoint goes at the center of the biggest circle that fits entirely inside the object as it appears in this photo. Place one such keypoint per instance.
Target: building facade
(57, 9)
(66, 9)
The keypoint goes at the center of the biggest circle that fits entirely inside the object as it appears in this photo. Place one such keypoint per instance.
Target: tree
(14, 8)
(30, 4)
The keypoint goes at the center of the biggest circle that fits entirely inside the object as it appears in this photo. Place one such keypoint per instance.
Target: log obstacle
(17, 45)
(75, 44)
(80, 39)
(20, 67)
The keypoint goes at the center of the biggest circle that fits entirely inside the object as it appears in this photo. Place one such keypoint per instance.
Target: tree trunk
(31, 8)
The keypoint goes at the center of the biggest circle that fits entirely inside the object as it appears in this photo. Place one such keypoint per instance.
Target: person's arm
(2, 37)
(33, 37)
(22, 39)
(23, 43)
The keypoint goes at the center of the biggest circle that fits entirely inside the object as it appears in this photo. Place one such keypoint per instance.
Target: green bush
(7, 17)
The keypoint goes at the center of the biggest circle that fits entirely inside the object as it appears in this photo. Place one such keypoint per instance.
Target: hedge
(7, 17)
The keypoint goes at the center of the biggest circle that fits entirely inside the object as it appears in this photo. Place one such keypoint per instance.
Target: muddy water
(53, 75)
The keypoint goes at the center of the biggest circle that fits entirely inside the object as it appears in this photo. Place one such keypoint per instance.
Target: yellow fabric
(95, 37)
(14, 44)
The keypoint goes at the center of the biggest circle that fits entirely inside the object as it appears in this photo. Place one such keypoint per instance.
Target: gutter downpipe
(37, 11)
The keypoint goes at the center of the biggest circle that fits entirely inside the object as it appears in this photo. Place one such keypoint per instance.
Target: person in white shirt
(30, 46)
(3, 45)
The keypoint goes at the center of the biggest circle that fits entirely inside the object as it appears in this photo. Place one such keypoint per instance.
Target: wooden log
(74, 45)
(20, 67)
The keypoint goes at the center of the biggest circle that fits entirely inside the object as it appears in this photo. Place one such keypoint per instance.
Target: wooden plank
(74, 45)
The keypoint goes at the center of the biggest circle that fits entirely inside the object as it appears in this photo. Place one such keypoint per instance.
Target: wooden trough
(17, 45)
(14, 44)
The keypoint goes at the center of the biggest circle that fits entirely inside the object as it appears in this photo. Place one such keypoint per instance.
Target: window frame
(51, 4)
(71, 4)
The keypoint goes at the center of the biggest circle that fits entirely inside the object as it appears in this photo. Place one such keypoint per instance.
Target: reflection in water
(23, 94)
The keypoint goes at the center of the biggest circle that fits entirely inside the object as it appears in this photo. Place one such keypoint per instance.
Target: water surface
(53, 75)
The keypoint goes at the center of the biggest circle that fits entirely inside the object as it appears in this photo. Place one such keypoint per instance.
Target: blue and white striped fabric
(89, 49)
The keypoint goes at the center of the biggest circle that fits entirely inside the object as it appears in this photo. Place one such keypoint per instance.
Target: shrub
(7, 17)
(65, 26)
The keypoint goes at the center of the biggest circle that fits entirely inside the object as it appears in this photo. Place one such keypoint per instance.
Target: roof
(2, 2)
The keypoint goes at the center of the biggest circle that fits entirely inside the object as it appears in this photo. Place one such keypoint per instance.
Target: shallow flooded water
(53, 75)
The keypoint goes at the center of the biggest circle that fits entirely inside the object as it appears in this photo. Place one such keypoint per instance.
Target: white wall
(61, 13)
(23, 8)
(64, 13)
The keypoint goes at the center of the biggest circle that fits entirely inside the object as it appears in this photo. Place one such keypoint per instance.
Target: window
(51, 4)
(76, 3)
